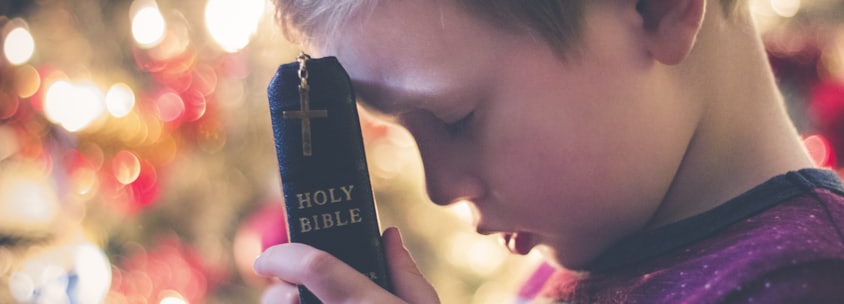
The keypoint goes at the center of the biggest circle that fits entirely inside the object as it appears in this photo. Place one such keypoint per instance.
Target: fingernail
(258, 264)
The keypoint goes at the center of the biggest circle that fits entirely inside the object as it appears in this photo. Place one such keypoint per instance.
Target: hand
(333, 281)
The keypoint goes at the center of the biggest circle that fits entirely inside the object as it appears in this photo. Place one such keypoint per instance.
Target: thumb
(408, 282)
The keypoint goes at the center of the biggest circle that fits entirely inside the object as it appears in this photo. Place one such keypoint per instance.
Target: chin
(563, 259)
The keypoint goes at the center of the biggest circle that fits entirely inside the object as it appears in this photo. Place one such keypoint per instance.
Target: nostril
(438, 197)
(445, 192)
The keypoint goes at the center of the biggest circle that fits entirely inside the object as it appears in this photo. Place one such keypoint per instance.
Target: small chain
(303, 73)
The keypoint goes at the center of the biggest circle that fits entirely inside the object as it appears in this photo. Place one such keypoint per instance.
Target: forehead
(410, 51)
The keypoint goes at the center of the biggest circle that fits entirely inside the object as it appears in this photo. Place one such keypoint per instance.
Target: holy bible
(327, 191)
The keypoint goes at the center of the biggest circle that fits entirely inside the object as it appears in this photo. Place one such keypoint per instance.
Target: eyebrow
(378, 100)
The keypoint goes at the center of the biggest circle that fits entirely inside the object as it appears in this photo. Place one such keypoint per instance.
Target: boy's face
(565, 156)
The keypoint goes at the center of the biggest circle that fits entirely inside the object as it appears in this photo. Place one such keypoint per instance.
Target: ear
(671, 27)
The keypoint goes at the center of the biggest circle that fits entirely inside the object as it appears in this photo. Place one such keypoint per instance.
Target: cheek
(528, 164)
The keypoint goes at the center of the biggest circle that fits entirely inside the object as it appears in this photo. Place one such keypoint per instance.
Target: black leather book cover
(328, 195)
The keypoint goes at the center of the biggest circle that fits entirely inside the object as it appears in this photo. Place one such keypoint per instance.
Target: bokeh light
(173, 299)
(28, 201)
(18, 45)
(9, 144)
(785, 8)
(93, 272)
(22, 287)
(233, 22)
(142, 126)
(148, 25)
(84, 182)
(819, 149)
(126, 167)
(120, 100)
(169, 106)
(27, 81)
(769, 13)
(73, 105)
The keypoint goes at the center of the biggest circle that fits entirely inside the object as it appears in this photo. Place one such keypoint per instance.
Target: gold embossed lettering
(327, 221)
(304, 200)
(320, 198)
(340, 221)
(305, 224)
(354, 215)
(348, 191)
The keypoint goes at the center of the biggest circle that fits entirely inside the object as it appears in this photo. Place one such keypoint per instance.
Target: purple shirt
(780, 242)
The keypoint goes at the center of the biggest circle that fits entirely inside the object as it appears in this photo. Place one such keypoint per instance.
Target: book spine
(328, 197)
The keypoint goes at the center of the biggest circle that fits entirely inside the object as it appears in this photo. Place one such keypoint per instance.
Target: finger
(408, 282)
(280, 293)
(327, 277)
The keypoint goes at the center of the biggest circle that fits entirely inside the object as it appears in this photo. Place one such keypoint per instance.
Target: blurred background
(137, 162)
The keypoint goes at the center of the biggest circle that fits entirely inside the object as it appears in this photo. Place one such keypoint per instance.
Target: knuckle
(318, 262)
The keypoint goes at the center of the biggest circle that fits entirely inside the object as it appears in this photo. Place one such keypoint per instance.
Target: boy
(641, 145)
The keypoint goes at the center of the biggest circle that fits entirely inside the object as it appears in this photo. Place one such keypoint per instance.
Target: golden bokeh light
(126, 167)
(27, 81)
(83, 182)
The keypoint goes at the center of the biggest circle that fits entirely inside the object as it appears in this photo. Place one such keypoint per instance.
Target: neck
(744, 135)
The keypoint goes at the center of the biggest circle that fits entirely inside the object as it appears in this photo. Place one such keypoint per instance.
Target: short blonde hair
(558, 22)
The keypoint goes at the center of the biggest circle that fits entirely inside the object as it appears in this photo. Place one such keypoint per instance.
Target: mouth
(517, 242)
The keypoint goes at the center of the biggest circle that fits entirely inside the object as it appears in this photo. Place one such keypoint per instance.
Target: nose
(448, 163)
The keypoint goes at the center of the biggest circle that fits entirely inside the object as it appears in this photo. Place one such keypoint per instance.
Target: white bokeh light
(18, 46)
(94, 271)
(173, 300)
(233, 22)
(148, 25)
(73, 106)
(120, 100)
(26, 201)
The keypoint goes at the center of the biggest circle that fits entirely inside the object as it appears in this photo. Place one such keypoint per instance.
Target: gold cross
(305, 114)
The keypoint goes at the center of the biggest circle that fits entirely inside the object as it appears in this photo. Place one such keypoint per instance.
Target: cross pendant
(305, 114)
